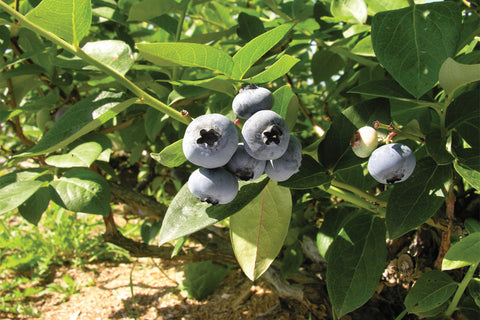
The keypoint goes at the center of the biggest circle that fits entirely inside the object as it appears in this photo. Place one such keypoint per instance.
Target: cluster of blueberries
(211, 142)
(390, 163)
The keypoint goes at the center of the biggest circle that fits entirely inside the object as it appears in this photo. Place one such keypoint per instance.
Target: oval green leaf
(356, 260)
(276, 70)
(172, 156)
(187, 214)
(187, 55)
(69, 20)
(114, 53)
(463, 253)
(412, 43)
(430, 291)
(454, 75)
(82, 190)
(13, 195)
(258, 230)
(82, 155)
(413, 201)
(83, 117)
(256, 48)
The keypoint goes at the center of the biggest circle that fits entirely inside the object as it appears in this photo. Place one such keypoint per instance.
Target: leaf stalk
(461, 289)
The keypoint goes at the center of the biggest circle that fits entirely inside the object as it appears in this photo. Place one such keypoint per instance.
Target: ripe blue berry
(391, 163)
(210, 141)
(214, 186)
(244, 166)
(288, 164)
(251, 99)
(265, 135)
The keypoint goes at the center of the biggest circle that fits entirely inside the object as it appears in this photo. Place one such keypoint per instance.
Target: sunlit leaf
(258, 230)
(69, 20)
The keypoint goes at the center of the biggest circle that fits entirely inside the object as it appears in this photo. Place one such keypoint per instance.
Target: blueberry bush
(97, 95)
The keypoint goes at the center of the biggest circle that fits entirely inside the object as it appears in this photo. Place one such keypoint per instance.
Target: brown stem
(446, 234)
(140, 204)
(318, 130)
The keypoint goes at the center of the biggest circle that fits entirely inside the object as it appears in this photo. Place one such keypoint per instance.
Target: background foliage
(93, 94)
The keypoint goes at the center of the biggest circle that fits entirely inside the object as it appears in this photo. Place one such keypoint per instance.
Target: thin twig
(318, 130)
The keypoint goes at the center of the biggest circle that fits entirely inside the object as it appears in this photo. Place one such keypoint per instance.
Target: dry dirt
(105, 293)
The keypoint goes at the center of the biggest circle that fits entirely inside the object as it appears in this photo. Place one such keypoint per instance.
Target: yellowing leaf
(258, 231)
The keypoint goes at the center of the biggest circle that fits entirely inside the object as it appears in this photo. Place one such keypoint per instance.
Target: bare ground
(106, 293)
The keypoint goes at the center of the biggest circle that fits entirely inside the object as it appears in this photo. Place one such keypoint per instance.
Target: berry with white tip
(288, 164)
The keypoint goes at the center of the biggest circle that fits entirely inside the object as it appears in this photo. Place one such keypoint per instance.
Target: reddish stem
(446, 234)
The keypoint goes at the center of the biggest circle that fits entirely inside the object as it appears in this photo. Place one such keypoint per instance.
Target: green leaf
(436, 148)
(202, 278)
(32, 209)
(412, 43)
(147, 9)
(364, 47)
(474, 290)
(334, 152)
(276, 70)
(292, 260)
(454, 75)
(383, 88)
(414, 201)
(311, 175)
(463, 253)
(187, 214)
(331, 225)
(430, 291)
(69, 20)
(155, 121)
(356, 261)
(256, 48)
(187, 55)
(463, 115)
(258, 230)
(150, 230)
(82, 155)
(375, 6)
(249, 26)
(114, 53)
(171, 156)
(82, 190)
(219, 83)
(17, 193)
(25, 175)
(285, 103)
(83, 117)
(354, 10)
(4, 40)
(472, 225)
(369, 111)
(325, 64)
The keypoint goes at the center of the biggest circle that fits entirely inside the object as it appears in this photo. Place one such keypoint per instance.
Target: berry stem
(397, 131)
(359, 192)
(355, 199)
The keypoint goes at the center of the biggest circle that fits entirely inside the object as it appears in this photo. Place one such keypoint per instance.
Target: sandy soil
(105, 293)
